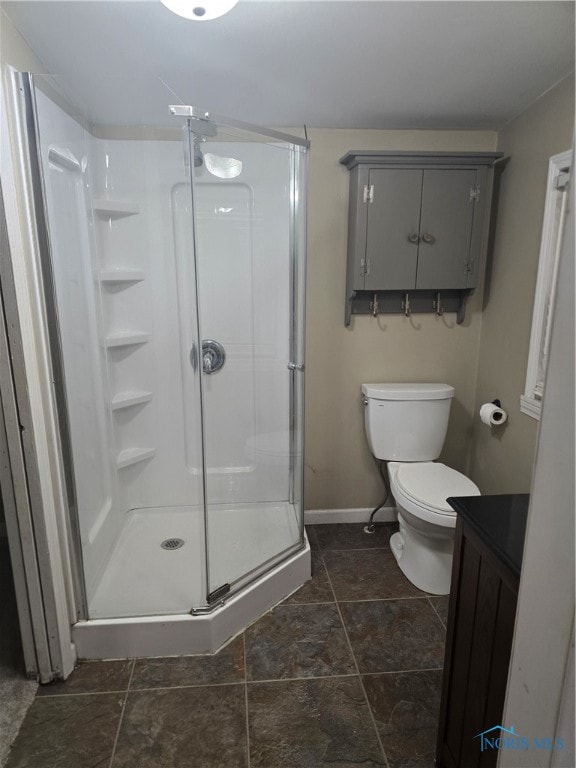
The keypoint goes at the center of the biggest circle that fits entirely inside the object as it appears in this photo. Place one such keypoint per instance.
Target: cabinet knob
(428, 238)
(413, 238)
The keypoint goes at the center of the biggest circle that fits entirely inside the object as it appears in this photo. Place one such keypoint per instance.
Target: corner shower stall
(172, 258)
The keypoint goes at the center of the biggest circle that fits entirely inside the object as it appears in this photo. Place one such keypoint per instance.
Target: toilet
(406, 426)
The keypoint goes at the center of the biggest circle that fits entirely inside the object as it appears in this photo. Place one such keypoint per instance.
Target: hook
(439, 307)
(406, 305)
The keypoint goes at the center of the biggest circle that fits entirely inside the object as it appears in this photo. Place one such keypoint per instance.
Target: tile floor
(345, 672)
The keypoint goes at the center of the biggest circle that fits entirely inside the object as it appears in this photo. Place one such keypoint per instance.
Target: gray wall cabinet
(417, 230)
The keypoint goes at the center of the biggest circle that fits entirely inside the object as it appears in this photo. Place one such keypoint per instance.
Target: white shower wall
(244, 271)
(244, 304)
(120, 215)
(146, 318)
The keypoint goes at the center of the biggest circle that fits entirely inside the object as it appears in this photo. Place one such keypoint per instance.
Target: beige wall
(340, 471)
(501, 460)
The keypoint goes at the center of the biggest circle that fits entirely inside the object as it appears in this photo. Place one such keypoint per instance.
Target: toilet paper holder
(493, 414)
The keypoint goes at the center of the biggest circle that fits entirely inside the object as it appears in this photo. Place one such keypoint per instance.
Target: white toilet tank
(406, 422)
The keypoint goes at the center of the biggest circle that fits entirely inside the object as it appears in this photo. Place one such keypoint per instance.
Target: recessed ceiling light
(200, 10)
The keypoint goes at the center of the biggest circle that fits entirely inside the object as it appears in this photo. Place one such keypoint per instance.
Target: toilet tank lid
(408, 391)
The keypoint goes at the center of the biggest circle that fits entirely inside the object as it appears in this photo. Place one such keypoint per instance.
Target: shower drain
(172, 543)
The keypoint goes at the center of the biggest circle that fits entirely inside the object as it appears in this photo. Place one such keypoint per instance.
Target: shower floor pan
(142, 604)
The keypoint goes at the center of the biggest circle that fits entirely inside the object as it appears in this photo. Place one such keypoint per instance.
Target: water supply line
(370, 526)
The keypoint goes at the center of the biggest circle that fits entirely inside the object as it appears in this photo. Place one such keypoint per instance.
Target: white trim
(18, 200)
(352, 515)
(530, 406)
(549, 247)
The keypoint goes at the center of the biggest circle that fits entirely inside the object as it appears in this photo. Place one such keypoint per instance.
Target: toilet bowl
(424, 545)
(406, 426)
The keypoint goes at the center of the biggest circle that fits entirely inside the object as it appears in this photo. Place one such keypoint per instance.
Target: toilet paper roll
(493, 415)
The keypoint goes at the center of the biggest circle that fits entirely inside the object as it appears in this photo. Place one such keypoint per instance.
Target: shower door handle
(194, 357)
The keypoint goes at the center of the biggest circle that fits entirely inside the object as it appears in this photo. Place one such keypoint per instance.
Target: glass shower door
(248, 227)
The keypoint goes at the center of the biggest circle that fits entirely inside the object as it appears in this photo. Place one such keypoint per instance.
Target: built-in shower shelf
(128, 399)
(116, 209)
(126, 339)
(121, 276)
(130, 456)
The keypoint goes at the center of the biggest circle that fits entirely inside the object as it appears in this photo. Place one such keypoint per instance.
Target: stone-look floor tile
(311, 723)
(440, 604)
(394, 635)
(92, 677)
(68, 732)
(369, 574)
(297, 641)
(312, 540)
(406, 707)
(226, 666)
(201, 727)
(318, 589)
(352, 536)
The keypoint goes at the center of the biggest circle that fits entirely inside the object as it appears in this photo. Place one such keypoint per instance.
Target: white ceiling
(344, 63)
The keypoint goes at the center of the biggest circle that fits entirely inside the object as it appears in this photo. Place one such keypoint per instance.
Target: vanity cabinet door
(392, 229)
(483, 598)
(447, 215)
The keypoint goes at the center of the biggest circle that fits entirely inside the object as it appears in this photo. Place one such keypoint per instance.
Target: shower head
(222, 167)
(217, 165)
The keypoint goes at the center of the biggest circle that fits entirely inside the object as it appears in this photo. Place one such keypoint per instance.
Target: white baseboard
(358, 515)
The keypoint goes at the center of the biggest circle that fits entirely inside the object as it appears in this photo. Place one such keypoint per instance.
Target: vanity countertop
(500, 521)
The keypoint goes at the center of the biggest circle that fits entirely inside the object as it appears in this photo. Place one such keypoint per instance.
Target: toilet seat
(429, 484)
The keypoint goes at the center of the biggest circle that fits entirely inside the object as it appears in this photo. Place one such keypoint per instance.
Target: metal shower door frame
(196, 119)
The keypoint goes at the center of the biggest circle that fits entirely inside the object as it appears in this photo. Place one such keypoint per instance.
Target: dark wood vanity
(485, 577)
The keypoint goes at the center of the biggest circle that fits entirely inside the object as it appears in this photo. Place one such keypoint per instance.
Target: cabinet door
(393, 216)
(446, 218)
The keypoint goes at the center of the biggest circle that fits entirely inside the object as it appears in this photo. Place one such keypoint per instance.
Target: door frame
(35, 487)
